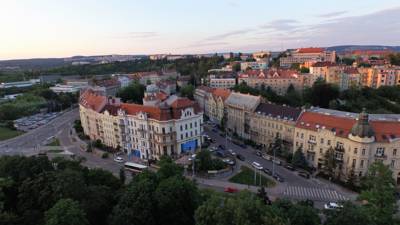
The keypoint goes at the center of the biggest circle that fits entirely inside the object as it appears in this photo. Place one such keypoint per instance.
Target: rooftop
(310, 50)
(246, 101)
(278, 111)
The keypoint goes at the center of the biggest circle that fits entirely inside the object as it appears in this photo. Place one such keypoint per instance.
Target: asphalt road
(26, 144)
(294, 187)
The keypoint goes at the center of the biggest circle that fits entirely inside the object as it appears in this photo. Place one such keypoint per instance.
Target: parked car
(257, 165)
(214, 130)
(221, 147)
(118, 159)
(220, 154)
(240, 157)
(231, 190)
(267, 171)
(229, 162)
(290, 167)
(243, 145)
(332, 206)
(258, 153)
(192, 157)
(213, 149)
(232, 152)
(266, 157)
(304, 174)
(278, 178)
(277, 162)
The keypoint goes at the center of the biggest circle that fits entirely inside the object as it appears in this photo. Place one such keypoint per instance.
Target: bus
(134, 167)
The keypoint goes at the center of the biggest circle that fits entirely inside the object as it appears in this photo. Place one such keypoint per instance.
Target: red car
(230, 190)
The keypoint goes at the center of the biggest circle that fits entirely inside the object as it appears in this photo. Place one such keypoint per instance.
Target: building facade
(306, 56)
(173, 127)
(355, 140)
(239, 110)
(216, 109)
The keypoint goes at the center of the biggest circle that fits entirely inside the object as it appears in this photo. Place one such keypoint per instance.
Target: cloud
(332, 14)
(228, 34)
(138, 35)
(281, 25)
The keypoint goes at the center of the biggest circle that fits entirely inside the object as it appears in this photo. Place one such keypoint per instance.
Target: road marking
(313, 193)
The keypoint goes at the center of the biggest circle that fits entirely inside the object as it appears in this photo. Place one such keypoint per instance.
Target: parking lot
(34, 121)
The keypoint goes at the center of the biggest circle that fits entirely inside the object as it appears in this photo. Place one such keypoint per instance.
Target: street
(294, 187)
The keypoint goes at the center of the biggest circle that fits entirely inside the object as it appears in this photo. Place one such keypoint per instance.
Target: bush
(105, 155)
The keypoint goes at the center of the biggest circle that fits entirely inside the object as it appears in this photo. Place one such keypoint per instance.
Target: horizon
(65, 29)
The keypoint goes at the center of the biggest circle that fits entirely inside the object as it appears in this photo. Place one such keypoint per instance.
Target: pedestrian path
(317, 194)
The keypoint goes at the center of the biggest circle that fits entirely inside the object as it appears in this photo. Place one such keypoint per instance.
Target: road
(27, 143)
(294, 187)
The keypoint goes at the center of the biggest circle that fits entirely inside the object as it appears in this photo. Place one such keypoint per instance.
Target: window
(185, 126)
(394, 151)
(190, 125)
(301, 135)
(392, 163)
(322, 140)
(181, 136)
(181, 128)
(195, 124)
(363, 151)
(361, 163)
(329, 142)
(354, 163)
(380, 151)
(355, 150)
(163, 130)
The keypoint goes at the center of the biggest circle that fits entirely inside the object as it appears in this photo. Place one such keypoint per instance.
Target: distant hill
(347, 48)
(46, 63)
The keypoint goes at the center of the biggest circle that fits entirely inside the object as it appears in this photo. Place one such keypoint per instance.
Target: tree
(138, 197)
(132, 93)
(122, 176)
(329, 165)
(299, 214)
(378, 189)
(204, 161)
(66, 212)
(262, 194)
(304, 70)
(321, 93)
(350, 214)
(241, 209)
(168, 168)
(98, 203)
(102, 177)
(187, 91)
(179, 194)
(69, 184)
(299, 160)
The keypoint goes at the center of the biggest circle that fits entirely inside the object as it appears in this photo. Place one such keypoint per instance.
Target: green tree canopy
(66, 212)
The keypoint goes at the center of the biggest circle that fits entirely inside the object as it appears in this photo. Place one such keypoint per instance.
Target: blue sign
(189, 146)
(134, 153)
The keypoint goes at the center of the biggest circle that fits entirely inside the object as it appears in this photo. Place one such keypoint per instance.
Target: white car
(232, 152)
(118, 159)
(257, 165)
(332, 205)
(213, 149)
(192, 157)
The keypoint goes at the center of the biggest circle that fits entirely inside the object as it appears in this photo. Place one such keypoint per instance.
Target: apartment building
(306, 56)
(357, 140)
(259, 65)
(278, 80)
(172, 127)
(201, 96)
(239, 110)
(270, 121)
(215, 109)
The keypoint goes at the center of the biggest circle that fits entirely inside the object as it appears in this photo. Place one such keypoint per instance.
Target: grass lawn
(246, 176)
(55, 151)
(6, 133)
(55, 142)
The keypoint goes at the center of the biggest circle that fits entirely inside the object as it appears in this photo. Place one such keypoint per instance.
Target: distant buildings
(259, 65)
(222, 80)
(278, 80)
(20, 84)
(307, 56)
(60, 88)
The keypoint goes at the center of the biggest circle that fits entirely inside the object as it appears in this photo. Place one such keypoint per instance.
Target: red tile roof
(152, 111)
(310, 50)
(351, 70)
(384, 130)
(220, 92)
(92, 100)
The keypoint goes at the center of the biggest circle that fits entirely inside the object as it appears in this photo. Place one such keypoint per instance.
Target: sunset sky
(62, 28)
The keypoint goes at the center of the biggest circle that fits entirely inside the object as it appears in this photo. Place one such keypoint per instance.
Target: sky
(63, 28)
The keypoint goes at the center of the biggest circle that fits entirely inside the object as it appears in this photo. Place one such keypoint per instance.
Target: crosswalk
(313, 193)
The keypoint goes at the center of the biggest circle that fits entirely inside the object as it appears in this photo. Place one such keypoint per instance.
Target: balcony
(339, 148)
(380, 156)
(313, 142)
(173, 133)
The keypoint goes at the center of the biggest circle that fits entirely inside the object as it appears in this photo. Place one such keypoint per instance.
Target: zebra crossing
(314, 194)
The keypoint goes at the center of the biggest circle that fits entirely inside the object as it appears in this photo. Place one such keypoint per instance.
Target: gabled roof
(385, 131)
(246, 101)
(221, 92)
(92, 100)
(280, 111)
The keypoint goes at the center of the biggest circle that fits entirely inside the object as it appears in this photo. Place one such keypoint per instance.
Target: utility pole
(255, 177)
